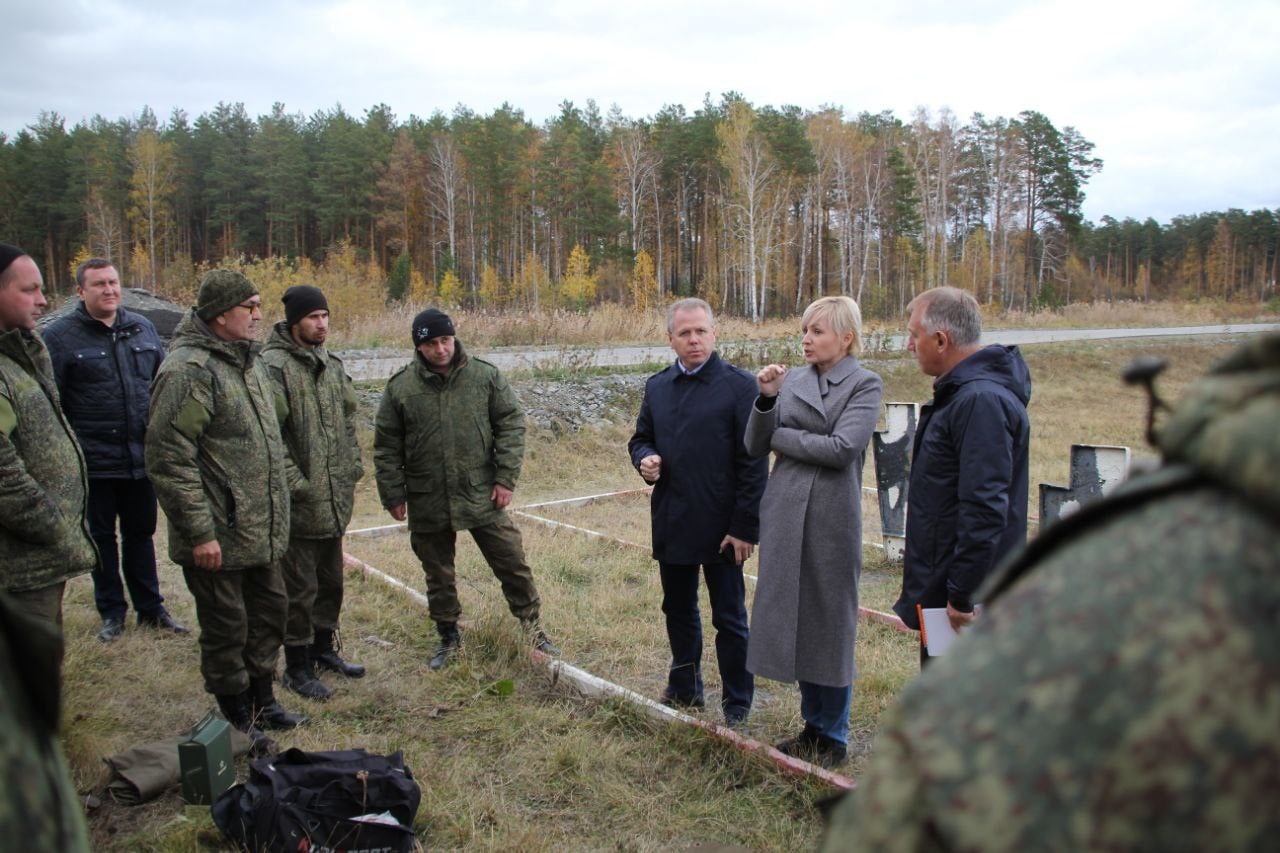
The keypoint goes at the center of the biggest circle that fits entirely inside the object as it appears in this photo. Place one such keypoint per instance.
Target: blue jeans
(133, 502)
(827, 709)
(727, 593)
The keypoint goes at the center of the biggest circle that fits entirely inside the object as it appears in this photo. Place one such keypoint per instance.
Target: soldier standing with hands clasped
(216, 458)
(317, 407)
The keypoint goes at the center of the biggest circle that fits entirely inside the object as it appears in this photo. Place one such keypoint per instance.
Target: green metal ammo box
(206, 762)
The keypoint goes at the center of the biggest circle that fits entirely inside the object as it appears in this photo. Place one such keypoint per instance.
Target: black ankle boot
(450, 643)
(236, 712)
(267, 712)
(324, 654)
(802, 745)
(300, 677)
(829, 753)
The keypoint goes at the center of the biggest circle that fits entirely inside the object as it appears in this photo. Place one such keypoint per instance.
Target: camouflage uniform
(39, 806)
(440, 445)
(317, 407)
(215, 456)
(44, 539)
(1121, 691)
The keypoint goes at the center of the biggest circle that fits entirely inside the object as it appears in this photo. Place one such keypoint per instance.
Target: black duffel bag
(309, 801)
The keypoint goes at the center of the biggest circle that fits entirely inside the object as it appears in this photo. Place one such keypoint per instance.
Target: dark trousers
(726, 590)
(503, 550)
(312, 570)
(133, 502)
(45, 605)
(241, 614)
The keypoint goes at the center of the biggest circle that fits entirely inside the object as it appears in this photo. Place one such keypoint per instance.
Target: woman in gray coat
(818, 421)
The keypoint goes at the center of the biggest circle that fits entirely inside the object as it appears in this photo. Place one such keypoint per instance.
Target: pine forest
(758, 209)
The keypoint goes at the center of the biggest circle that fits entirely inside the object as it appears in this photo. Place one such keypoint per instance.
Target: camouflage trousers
(241, 614)
(312, 570)
(503, 550)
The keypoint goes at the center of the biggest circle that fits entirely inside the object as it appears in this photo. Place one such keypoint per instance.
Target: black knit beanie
(429, 324)
(300, 300)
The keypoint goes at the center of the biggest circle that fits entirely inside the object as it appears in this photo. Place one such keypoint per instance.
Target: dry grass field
(544, 768)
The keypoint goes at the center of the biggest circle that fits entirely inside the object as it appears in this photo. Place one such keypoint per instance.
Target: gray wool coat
(805, 617)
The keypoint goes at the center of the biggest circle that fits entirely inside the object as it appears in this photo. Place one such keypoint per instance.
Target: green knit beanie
(220, 291)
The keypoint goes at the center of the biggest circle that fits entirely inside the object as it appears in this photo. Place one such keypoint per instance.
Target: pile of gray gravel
(561, 405)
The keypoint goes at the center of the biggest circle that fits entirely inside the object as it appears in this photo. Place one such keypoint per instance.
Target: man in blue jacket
(967, 495)
(705, 506)
(104, 358)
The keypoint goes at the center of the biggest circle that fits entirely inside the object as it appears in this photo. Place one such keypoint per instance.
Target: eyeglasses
(250, 306)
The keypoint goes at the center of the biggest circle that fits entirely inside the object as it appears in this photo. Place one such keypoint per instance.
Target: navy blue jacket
(967, 494)
(104, 377)
(709, 486)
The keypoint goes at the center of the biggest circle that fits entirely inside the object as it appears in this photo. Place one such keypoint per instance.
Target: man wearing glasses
(217, 461)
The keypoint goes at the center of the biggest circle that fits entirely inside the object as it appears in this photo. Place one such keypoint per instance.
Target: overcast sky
(1181, 99)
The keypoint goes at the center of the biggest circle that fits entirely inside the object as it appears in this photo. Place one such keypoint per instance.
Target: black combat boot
(540, 640)
(236, 713)
(300, 677)
(324, 654)
(267, 712)
(450, 643)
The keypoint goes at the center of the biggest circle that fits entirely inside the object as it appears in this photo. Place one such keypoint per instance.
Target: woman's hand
(769, 379)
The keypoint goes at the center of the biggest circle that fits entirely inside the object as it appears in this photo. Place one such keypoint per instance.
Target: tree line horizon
(757, 209)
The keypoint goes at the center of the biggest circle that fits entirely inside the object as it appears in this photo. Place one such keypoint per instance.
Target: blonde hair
(843, 315)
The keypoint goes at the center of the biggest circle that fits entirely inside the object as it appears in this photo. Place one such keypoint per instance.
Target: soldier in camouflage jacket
(216, 459)
(44, 539)
(448, 445)
(1121, 691)
(317, 407)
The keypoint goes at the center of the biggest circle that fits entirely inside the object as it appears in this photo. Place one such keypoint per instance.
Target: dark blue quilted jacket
(104, 376)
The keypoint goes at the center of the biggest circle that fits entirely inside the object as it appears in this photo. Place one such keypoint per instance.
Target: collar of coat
(194, 332)
(460, 360)
(810, 386)
(22, 346)
(282, 338)
(705, 371)
(125, 324)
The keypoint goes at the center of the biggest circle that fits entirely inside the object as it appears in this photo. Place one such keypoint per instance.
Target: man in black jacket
(688, 442)
(967, 495)
(104, 358)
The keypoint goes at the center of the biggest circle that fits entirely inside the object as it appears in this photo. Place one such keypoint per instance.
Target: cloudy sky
(1180, 98)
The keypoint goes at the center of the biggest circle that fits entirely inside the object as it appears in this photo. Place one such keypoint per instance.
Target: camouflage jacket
(316, 404)
(1121, 691)
(441, 443)
(39, 806)
(214, 452)
(44, 488)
